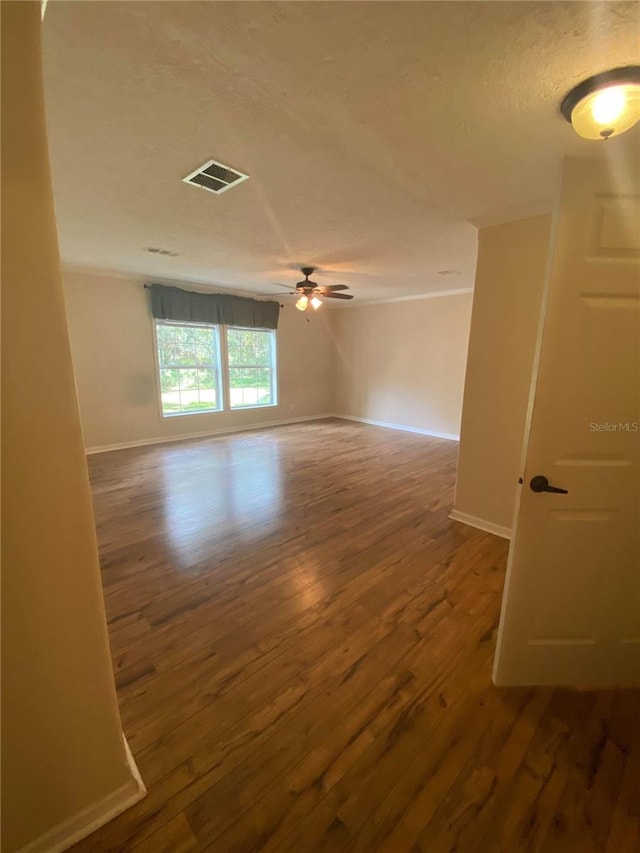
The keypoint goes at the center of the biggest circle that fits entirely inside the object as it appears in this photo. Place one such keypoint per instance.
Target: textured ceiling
(374, 133)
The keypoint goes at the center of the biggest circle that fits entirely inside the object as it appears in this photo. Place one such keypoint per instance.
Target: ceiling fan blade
(337, 296)
(326, 288)
(278, 284)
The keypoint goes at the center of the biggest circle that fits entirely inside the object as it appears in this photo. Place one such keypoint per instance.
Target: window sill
(197, 412)
(217, 411)
(244, 408)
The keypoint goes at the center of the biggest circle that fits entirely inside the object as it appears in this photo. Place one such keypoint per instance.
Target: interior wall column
(64, 762)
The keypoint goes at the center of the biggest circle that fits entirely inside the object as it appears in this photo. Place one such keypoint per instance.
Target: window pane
(263, 354)
(251, 367)
(235, 387)
(239, 354)
(169, 380)
(188, 366)
(164, 345)
(188, 379)
(204, 346)
(170, 385)
(250, 377)
(182, 349)
(264, 387)
(263, 377)
(206, 378)
(234, 346)
(207, 386)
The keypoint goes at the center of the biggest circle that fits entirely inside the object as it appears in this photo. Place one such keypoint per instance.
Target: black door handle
(540, 483)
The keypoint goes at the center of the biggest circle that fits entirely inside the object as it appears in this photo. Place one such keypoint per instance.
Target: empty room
(320, 426)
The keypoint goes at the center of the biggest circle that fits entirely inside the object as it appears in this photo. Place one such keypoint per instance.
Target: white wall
(403, 362)
(512, 260)
(62, 746)
(113, 352)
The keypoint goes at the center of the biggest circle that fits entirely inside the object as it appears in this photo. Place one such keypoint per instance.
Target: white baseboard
(481, 524)
(82, 824)
(143, 442)
(418, 430)
(166, 439)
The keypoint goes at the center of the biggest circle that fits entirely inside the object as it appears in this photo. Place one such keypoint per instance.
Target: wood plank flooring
(302, 642)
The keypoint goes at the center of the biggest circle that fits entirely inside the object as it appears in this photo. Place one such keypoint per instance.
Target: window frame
(217, 368)
(221, 368)
(273, 369)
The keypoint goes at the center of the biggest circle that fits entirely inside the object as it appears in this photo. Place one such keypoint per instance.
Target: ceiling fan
(310, 294)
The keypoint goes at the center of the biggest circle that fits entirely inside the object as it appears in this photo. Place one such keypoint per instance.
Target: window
(251, 363)
(189, 368)
(191, 374)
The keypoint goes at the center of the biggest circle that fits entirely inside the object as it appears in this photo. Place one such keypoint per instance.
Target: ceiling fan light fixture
(604, 105)
(310, 295)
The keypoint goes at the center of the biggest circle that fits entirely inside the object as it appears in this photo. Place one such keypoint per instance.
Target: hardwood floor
(302, 642)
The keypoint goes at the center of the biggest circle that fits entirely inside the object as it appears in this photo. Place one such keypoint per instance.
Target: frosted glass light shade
(607, 113)
(605, 105)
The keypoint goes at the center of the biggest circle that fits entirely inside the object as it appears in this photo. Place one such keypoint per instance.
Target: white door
(571, 605)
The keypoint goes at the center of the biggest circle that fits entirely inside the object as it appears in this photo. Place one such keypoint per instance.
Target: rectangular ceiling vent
(215, 177)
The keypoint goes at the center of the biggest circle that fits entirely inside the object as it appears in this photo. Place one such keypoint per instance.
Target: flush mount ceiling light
(606, 104)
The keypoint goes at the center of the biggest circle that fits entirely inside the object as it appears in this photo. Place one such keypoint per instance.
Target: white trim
(431, 295)
(84, 822)
(217, 287)
(166, 439)
(418, 430)
(481, 524)
(136, 277)
(133, 767)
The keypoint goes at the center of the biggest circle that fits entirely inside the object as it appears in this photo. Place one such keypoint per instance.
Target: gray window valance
(187, 306)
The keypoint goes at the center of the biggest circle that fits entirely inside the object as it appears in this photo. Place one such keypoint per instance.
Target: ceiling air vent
(215, 177)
